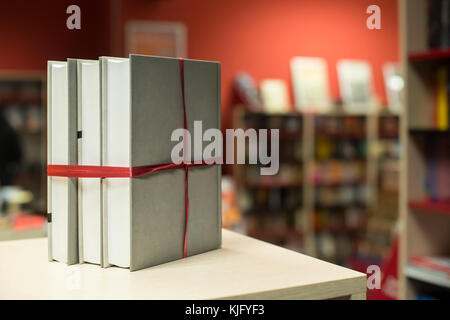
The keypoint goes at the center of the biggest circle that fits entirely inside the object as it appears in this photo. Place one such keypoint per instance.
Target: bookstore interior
(349, 98)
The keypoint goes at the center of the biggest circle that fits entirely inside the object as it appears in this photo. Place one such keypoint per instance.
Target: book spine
(442, 101)
(72, 227)
(445, 24)
(49, 157)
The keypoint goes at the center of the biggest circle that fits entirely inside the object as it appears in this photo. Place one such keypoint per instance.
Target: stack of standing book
(108, 122)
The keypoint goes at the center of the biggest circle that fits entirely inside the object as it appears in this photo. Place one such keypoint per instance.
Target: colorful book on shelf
(439, 23)
(442, 99)
(437, 181)
(431, 172)
(443, 169)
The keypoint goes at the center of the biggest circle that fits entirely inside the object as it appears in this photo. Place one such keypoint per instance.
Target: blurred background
(350, 85)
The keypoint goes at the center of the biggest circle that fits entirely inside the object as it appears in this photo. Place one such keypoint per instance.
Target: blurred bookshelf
(272, 205)
(425, 188)
(22, 103)
(324, 201)
(338, 177)
(380, 233)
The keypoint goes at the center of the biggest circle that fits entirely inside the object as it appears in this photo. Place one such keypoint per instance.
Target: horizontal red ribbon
(79, 171)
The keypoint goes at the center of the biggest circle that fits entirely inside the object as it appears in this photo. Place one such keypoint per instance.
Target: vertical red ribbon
(186, 168)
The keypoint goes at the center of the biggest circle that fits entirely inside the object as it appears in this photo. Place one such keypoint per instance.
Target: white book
(116, 110)
(355, 86)
(394, 84)
(310, 84)
(275, 95)
(89, 153)
(62, 191)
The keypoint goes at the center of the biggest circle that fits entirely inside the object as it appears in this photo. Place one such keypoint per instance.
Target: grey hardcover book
(144, 217)
(62, 150)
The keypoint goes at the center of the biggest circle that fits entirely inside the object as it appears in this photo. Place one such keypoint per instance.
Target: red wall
(258, 36)
(32, 32)
(261, 36)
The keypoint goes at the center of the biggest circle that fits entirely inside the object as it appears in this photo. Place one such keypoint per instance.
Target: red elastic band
(79, 171)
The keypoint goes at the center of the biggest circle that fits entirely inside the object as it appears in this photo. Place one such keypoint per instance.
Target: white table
(243, 268)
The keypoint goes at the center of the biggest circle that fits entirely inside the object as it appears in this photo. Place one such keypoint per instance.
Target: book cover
(274, 95)
(158, 200)
(310, 84)
(62, 149)
(144, 217)
(356, 86)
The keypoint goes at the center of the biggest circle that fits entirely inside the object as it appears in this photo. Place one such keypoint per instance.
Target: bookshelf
(273, 205)
(338, 177)
(338, 163)
(424, 214)
(379, 235)
(22, 100)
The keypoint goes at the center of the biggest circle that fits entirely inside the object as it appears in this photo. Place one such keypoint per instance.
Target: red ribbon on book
(79, 171)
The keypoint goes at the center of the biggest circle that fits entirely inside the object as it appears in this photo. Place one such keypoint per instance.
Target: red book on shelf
(433, 114)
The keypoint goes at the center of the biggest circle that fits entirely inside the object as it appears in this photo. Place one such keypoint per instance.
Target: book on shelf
(355, 86)
(275, 96)
(310, 84)
(440, 110)
(437, 178)
(248, 92)
(394, 84)
(439, 24)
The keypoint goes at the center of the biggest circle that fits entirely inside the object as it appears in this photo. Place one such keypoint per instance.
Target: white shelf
(420, 274)
(244, 268)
